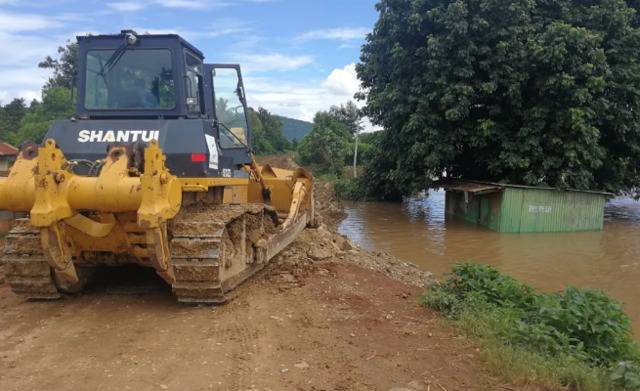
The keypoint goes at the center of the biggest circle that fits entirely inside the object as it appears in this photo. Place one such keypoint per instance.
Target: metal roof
(481, 187)
(7, 149)
(470, 187)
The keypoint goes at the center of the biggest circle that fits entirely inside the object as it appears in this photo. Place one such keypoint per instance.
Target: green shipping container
(514, 208)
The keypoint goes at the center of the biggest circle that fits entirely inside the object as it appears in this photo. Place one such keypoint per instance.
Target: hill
(294, 128)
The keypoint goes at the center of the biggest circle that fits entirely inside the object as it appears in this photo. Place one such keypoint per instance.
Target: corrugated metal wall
(530, 210)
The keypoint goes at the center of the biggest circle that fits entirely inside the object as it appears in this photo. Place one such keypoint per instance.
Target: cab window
(133, 79)
(229, 108)
(194, 84)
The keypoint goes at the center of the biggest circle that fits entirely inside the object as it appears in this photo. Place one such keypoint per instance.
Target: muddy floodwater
(418, 231)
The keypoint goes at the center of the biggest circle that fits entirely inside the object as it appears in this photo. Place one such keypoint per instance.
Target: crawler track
(213, 249)
(26, 268)
(216, 247)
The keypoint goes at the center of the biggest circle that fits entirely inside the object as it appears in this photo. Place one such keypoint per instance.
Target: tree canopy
(529, 92)
(328, 147)
(267, 132)
(64, 67)
(348, 114)
(19, 122)
(56, 104)
(11, 114)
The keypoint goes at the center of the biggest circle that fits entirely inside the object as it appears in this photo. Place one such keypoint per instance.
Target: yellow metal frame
(54, 196)
(124, 212)
(203, 184)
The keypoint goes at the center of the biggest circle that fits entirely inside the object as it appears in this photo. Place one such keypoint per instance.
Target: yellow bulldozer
(155, 168)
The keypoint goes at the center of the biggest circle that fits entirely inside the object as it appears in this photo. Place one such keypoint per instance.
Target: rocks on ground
(319, 244)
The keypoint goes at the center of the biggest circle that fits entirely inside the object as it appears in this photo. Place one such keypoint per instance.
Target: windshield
(229, 108)
(139, 79)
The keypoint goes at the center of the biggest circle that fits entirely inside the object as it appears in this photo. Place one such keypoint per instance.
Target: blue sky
(298, 56)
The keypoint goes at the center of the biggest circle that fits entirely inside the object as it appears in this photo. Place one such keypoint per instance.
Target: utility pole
(355, 157)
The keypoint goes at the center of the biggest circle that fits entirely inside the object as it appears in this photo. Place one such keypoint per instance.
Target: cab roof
(174, 37)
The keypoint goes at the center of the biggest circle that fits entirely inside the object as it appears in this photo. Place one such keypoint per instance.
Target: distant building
(8, 154)
(513, 208)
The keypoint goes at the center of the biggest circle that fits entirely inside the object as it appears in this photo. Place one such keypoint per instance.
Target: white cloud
(269, 62)
(343, 81)
(18, 22)
(25, 50)
(341, 34)
(23, 82)
(126, 6)
(25, 39)
(188, 4)
(302, 100)
(220, 30)
(131, 6)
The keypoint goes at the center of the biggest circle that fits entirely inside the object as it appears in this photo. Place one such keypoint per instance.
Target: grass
(579, 339)
(520, 366)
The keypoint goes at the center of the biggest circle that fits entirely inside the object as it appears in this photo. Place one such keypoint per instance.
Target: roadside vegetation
(578, 339)
(329, 149)
(266, 128)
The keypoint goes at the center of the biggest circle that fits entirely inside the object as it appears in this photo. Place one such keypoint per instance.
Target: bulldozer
(154, 168)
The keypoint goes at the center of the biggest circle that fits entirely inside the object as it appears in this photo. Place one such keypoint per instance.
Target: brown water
(417, 231)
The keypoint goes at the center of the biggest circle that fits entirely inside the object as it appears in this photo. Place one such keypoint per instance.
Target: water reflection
(418, 230)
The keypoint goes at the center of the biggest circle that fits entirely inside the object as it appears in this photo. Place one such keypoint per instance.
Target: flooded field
(418, 231)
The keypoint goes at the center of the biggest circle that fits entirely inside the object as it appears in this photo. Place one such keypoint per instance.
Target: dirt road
(321, 326)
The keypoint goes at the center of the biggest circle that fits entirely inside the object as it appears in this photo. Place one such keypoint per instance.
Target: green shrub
(350, 189)
(585, 333)
(626, 375)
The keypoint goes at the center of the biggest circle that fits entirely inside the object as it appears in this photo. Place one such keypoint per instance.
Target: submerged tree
(529, 92)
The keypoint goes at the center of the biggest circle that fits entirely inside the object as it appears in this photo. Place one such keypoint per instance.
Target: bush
(350, 189)
(585, 333)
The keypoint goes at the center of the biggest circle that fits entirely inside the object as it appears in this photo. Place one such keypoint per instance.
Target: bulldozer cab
(131, 76)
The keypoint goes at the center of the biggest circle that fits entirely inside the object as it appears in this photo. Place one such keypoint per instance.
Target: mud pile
(327, 206)
(324, 243)
(279, 161)
(2, 279)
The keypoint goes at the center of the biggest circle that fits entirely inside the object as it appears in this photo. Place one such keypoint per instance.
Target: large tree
(524, 91)
(11, 115)
(267, 136)
(56, 104)
(64, 67)
(272, 128)
(349, 114)
(326, 147)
